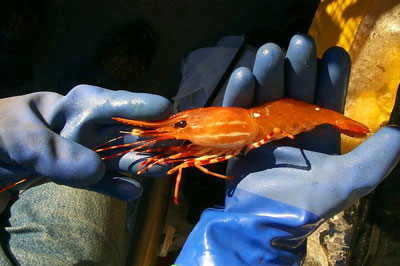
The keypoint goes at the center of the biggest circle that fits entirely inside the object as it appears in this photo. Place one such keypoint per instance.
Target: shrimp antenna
(112, 140)
(13, 185)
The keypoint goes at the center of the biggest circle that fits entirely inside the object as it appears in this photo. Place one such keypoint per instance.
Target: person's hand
(48, 135)
(284, 190)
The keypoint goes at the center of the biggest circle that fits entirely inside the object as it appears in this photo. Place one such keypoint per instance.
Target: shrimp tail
(340, 122)
(293, 117)
(350, 127)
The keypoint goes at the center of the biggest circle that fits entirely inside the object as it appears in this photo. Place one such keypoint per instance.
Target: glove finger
(301, 68)
(268, 71)
(331, 91)
(138, 106)
(121, 188)
(333, 79)
(240, 89)
(372, 160)
(62, 161)
(131, 163)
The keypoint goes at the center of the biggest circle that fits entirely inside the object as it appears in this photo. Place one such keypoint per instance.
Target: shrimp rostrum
(216, 134)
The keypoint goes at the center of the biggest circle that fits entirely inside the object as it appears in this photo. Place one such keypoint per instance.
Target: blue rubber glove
(48, 135)
(280, 193)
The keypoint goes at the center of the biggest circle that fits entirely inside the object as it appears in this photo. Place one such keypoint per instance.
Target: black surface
(376, 236)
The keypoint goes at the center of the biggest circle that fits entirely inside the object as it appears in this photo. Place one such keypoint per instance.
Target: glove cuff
(227, 238)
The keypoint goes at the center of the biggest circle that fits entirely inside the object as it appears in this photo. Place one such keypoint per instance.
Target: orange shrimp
(216, 134)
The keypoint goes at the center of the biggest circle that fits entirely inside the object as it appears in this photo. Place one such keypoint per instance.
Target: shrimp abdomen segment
(293, 117)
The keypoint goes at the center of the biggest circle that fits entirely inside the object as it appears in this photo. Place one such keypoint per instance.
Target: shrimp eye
(181, 123)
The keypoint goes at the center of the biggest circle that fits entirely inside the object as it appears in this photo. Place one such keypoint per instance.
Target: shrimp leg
(198, 162)
(276, 131)
(182, 156)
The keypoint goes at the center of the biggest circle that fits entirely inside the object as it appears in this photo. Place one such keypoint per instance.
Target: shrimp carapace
(216, 134)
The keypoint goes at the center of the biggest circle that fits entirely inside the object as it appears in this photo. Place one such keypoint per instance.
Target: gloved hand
(281, 194)
(50, 135)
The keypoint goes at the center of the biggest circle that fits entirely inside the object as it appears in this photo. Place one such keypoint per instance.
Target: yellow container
(370, 31)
